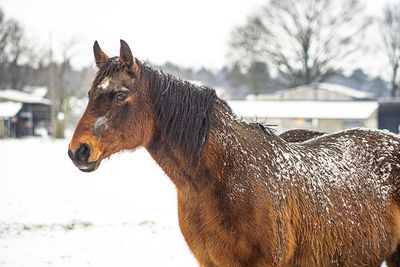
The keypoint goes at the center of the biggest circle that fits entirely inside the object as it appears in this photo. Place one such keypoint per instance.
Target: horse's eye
(119, 98)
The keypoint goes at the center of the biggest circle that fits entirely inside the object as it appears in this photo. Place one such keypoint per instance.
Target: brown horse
(246, 197)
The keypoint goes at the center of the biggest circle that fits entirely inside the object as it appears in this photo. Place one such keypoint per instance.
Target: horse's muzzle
(80, 158)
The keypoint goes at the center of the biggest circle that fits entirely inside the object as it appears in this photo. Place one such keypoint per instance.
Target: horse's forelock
(108, 68)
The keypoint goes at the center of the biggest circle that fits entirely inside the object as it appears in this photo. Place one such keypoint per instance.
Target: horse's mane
(183, 109)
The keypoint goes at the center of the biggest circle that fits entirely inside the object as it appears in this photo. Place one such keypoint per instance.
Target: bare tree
(306, 41)
(390, 29)
(3, 34)
(68, 84)
(17, 55)
(16, 49)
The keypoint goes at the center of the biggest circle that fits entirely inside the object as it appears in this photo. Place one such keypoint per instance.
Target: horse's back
(349, 197)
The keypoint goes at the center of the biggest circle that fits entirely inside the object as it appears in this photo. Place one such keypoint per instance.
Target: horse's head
(118, 115)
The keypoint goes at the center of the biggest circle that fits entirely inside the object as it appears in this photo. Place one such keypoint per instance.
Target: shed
(23, 113)
(8, 111)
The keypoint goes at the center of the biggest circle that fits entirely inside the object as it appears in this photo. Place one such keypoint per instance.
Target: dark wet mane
(183, 109)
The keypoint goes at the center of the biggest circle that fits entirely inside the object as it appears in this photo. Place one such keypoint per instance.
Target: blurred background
(284, 58)
(313, 64)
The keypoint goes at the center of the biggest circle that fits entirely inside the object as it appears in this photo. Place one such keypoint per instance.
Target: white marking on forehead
(104, 84)
(99, 124)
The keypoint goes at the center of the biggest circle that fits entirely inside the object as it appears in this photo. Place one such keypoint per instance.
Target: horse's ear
(99, 55)
(127, 59)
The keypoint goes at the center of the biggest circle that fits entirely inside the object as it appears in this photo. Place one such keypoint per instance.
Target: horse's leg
(394, 259)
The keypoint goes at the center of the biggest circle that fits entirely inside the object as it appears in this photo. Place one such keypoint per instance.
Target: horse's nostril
(83, 152)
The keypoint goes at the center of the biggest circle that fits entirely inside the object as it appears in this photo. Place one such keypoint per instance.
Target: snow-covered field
(51, 214)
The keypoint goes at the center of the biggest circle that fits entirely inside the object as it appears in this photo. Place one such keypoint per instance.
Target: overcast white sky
(189, 33)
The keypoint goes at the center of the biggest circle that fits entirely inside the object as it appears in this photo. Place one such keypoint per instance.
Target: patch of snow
(9, 109)
(123, 214)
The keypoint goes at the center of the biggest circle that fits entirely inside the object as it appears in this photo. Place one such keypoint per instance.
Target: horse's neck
(232, 145)
(169, 159)
(235, 145)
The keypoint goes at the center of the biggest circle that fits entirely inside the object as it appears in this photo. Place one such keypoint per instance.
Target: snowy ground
(51, 214)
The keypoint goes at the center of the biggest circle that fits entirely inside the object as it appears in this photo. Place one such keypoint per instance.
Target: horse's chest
(198, 226)
(216, 237)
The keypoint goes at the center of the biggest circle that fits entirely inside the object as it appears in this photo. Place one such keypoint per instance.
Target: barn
(325, 116)
(23, 114)
(325, 92)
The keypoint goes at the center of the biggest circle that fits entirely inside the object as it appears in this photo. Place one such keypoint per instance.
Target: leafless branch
(306, 39)
(390, 30)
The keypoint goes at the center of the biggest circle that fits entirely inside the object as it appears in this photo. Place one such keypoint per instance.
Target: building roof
(304, 109)
(18, 96)
(36, 90)
(9, 109)
(336, 88)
